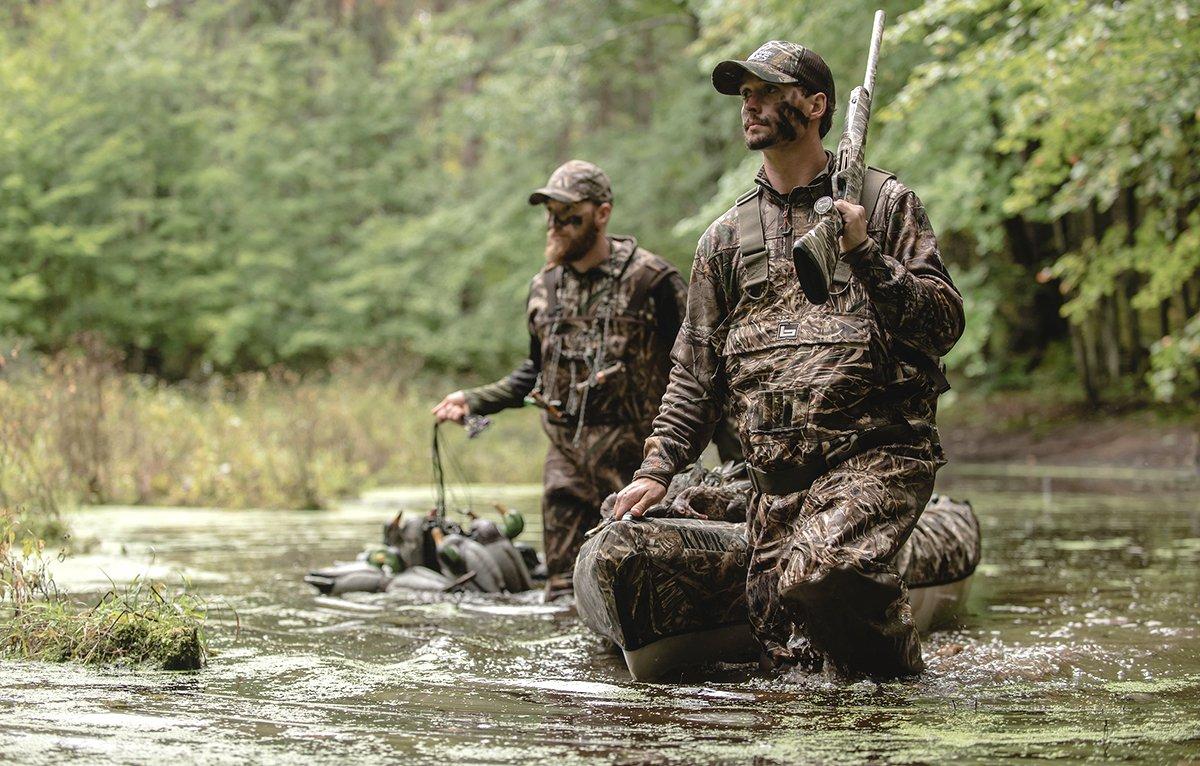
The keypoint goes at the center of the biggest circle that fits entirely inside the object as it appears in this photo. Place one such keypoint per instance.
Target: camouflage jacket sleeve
(906, 279)
(691, 405)
(511, 390)
(670, 304)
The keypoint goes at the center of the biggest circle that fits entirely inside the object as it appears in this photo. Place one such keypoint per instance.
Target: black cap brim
(727, 76)
(540, 196)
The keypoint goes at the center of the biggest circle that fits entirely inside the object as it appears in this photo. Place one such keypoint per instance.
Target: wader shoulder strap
(551, 278)
(643, 278)
(752, 242)
(872, 187)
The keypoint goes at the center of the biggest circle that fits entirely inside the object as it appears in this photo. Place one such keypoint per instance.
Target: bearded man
(602, 316)
(835, 402)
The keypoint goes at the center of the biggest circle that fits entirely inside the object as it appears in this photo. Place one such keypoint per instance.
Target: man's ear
(603, 213)
(820, 104)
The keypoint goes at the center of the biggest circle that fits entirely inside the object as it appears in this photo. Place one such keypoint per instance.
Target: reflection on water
(1080, 642)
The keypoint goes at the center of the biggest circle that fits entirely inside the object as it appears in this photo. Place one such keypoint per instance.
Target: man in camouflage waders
(835, 402)
(602, 317)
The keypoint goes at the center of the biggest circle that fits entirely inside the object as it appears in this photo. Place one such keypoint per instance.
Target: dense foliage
(232, 184)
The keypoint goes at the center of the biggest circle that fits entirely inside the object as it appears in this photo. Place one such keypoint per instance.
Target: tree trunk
(1079, 347)
(1136, 361)
(1110, 338)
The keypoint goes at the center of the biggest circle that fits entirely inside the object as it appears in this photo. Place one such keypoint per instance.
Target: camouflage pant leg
(768, 529)
(823, 560)
(575, 480)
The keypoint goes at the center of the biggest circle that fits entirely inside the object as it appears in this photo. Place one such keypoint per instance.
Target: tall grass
(79, 430)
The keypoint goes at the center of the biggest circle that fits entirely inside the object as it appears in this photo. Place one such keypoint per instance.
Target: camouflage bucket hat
(779, 62)
(573, 182)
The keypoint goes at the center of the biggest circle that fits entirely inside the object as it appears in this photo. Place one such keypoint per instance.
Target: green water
(1079, 643)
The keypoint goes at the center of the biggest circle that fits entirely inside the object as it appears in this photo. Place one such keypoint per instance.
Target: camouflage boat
(670, 592)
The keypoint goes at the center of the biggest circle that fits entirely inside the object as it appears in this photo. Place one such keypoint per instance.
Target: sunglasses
(556, 222)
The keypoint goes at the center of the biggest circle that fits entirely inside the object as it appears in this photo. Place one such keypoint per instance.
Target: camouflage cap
(575, 181)
(780, 62)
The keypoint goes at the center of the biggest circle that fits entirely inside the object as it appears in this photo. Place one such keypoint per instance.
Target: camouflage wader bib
(809, 385)
(837, 419)
(612, 331)
(597, 443)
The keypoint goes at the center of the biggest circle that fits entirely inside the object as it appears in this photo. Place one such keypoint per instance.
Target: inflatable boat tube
(671, 593)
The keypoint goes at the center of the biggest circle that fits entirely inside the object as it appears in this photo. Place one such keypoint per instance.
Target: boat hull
(670, 593)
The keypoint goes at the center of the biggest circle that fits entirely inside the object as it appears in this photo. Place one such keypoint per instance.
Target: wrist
(470, 400)
(860, 252)
(651, 475)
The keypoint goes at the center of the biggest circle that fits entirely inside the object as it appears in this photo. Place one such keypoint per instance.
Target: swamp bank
(134, 623)
(79, 430)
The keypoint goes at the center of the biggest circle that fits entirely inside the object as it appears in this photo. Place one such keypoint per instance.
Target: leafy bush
(1175, 365)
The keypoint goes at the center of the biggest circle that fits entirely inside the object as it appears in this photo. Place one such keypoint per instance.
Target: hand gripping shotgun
(816, 253)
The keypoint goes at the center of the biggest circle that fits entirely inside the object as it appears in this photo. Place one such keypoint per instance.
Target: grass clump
(136, 625)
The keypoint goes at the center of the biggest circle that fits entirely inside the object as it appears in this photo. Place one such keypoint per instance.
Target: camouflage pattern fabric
(587, 462)
(823, 561)
(717, 494)
(638, 582)
(794, 374)
(800, 377)
(944, 547)
(778, 61)
(626, 311)
(574, 181)
(605, 317)
(577, 476)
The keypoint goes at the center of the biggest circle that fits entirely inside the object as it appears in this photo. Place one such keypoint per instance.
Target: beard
(781, 128)
(560, 250)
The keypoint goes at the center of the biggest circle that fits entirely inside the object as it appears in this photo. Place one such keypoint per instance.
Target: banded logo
(788, 330)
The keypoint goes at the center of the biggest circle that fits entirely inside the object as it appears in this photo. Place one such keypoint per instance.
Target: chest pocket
(802, 378)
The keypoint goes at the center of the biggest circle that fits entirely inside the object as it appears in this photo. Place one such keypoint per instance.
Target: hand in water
(636, 498)
(453, 407)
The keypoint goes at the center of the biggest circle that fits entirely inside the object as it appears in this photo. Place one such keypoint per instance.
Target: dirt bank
(1014, 430)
